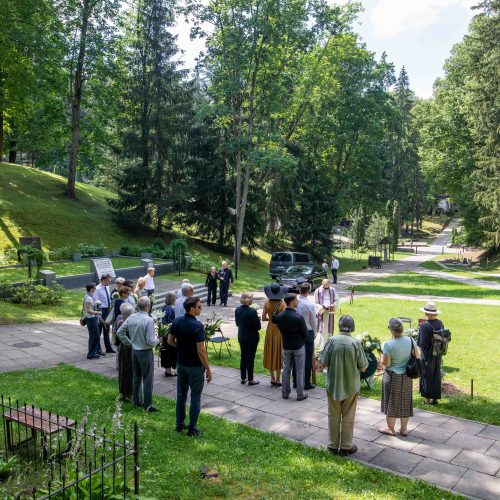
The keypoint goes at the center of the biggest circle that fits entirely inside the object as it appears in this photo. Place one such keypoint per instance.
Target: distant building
(445, 204)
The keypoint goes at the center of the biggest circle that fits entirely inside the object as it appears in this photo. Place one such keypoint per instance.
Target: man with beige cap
(430, 381)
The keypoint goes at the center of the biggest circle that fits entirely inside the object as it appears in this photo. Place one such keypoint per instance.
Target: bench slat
(42, 421)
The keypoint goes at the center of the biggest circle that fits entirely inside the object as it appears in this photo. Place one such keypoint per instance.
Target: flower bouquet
(369, 343)
(162, 332)
(211, 325)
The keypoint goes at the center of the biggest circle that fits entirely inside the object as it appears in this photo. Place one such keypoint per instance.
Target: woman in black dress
(211, 284)
(168, 353)
(430, 381)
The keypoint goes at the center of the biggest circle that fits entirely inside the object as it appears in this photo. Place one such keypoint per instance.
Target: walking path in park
(454, 453)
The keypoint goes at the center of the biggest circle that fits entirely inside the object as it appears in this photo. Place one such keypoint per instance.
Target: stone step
(200, 290)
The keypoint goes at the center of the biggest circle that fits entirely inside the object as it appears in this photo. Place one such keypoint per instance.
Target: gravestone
(33, 241)
(102, 266)
(48, 277)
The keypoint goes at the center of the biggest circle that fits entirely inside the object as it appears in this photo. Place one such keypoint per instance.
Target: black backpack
(440, 340)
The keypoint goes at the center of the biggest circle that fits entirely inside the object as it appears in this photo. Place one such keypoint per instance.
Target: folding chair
(219, 340)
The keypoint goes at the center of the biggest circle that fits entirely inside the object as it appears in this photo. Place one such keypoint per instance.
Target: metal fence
(69, 459)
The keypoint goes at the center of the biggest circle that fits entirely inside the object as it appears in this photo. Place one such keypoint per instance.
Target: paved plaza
(453, 453)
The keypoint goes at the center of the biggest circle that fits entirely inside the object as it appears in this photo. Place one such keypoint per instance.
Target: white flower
(368, 344)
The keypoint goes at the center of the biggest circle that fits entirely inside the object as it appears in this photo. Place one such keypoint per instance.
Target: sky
(417, 34)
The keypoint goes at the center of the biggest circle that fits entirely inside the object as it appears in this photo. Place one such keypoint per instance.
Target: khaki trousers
(341, 421)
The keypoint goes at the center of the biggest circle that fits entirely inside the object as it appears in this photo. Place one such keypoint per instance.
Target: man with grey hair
(344, 357)
(142, 338)
(179, 292)
(186, 291)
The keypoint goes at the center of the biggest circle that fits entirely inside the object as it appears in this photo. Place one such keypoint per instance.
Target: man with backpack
(433, 342)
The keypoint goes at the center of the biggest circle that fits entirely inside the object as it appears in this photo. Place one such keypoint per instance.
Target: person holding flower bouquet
(168, 353)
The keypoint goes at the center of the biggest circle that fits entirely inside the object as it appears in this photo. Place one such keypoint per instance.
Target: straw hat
(430, 308)
(275, 291)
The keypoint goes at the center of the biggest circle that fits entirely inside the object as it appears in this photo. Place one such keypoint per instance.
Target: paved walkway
(457, 454)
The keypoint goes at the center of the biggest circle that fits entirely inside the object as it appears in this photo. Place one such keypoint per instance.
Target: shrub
(8, 256)
(91, 249)
(159, 244)
(60, 253)
(201, 262)
(5, 289)
(31, 295)
(133, 250)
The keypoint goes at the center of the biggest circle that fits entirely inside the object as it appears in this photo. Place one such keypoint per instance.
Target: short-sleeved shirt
(400, 352)
(344, 356)
(188, 331)
(88, 303)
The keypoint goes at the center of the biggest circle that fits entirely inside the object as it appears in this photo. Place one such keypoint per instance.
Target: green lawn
(472, 353)
(418, 284)
(250, 463)
(69, 308)
(67, 268)
(477, 273)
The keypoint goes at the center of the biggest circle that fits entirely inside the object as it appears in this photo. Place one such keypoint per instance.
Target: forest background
(288, 124)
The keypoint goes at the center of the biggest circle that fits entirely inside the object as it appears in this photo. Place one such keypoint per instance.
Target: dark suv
(296, 275)
(281, 261)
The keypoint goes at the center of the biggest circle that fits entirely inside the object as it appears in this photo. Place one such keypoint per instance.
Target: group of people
(293, 325)
(299, 339)
(222, 278)
(334, 266)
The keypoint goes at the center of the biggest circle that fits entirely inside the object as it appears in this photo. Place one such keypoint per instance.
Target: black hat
(275, 291)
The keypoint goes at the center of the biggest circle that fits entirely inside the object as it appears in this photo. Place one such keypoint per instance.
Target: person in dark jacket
(211, 284)
(430, 381)
(248, 323)
(294, 333)
(168, 353)
(226, 278)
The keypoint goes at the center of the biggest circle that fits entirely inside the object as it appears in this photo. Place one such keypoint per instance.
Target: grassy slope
(251, 464)
(417, 284)
(470, 354)
(32, 204)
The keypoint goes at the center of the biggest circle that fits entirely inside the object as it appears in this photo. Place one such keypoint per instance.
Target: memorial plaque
(33, 241)
(102, 266)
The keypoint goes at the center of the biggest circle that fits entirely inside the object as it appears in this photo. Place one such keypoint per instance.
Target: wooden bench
(38, 421)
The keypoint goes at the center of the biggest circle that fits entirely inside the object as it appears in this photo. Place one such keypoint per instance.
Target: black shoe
(243, 381)
(180, 428)
(333, 451)
(193, 432)
(151, 409)
(350, 451)
(101, 353)
(308, 387)
(111, 352)
(301, 398)
(96, 356)
(284, 397)
(253, 382)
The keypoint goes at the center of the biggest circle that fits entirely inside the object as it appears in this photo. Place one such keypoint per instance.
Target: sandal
(388, 432)
(404, 434)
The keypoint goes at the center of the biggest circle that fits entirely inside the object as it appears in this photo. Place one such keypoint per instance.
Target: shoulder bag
(83, 319)
(414, 367)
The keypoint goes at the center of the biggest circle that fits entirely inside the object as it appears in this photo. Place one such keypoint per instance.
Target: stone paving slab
(479, 485)
(440, 473)
(477, 462)
(396, 460)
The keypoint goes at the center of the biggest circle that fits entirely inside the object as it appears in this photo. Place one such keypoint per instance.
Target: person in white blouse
(150, 282)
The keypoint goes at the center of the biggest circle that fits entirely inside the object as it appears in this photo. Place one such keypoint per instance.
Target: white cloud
(394, 17)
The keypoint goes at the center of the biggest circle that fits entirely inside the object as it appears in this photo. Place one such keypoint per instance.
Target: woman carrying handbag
(401, 358)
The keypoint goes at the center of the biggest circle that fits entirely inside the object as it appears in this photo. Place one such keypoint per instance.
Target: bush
(5, 289)
(91, 249)
(159, 244)
(133, 250)
(201, 262)
(60, 253)
(31, 295)
(8, 256)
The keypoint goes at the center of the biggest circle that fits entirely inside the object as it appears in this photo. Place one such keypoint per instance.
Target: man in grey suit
(138, 332)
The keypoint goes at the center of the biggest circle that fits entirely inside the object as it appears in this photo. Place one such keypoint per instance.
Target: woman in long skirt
(125, 363)
(397, 387)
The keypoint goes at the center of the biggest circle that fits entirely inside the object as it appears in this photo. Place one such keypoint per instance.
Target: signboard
(102, 266)
(33, 241)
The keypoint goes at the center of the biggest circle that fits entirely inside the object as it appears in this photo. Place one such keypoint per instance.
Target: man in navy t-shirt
(187, 334)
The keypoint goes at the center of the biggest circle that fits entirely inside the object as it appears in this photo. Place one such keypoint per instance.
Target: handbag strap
(83, 307)
(277, 307)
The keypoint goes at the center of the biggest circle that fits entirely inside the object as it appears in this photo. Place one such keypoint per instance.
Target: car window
(299, 269)
(281, 257)
(302, 257)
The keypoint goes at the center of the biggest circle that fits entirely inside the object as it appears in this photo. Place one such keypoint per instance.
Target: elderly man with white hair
(139, 333)
(187, 290)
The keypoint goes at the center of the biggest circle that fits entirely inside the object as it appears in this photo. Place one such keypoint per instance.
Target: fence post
(136, 458)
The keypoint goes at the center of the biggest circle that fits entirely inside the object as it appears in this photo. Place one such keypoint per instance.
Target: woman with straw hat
(430, 381)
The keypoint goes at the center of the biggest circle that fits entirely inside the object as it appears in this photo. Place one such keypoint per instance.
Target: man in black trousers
(294, 334)
(102, 295)
(226, 278)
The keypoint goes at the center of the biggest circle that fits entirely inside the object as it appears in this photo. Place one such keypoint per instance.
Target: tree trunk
(2, 97)
(77, 101)
(12, 151)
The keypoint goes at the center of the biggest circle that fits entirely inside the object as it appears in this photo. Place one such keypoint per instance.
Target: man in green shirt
(345, 358)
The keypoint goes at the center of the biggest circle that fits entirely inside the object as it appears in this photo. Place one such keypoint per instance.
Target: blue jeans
(189, 377)
(93, 328)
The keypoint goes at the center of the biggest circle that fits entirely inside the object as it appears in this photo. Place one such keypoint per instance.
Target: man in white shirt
(179, 292)
(307, 310)
(103, 296)
(335, 268)
(327, 302)
(186, 291)
(150, 282)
